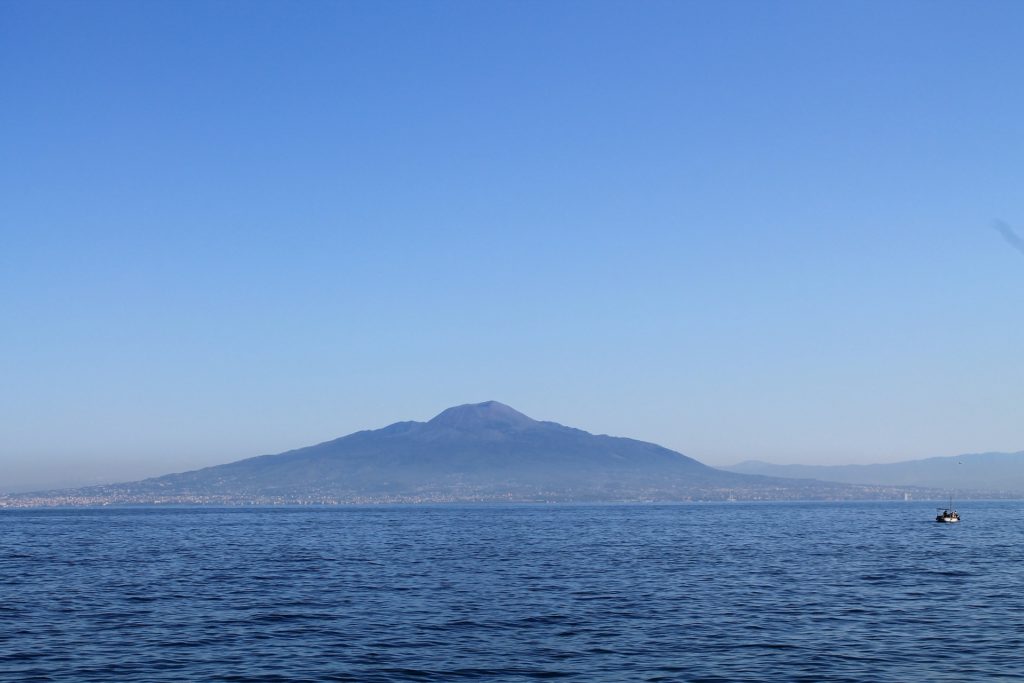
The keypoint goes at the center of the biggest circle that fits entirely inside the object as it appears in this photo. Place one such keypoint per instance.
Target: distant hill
(476, 452)
(999, 473)
(487, 445)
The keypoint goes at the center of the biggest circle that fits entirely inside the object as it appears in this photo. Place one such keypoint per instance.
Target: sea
(693, 592)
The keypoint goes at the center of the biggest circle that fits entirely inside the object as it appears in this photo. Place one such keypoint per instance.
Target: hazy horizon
(740, 231)
(92, 471)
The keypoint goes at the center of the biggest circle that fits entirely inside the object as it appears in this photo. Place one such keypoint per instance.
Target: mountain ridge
(473, 452)
(995, 472)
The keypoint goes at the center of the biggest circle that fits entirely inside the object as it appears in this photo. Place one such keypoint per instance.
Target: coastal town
(141, 494)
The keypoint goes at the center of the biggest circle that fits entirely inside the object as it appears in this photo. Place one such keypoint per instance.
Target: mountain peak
(489, 414)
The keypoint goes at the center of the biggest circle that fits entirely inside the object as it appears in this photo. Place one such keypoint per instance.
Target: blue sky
(741, 230)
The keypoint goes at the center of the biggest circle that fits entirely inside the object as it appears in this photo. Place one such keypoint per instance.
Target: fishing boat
(947, 515)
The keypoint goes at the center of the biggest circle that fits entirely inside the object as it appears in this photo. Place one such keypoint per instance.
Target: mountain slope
(481, 445)
(474, 452)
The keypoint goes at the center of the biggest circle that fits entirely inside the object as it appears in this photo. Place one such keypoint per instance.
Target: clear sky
(743, 230)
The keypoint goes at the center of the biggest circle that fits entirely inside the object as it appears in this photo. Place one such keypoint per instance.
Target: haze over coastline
(740, 231)
(481, 453)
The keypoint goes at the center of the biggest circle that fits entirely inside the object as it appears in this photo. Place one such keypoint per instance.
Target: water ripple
(793, 592)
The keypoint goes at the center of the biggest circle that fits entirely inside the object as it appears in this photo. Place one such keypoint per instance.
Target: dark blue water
(743, 592)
